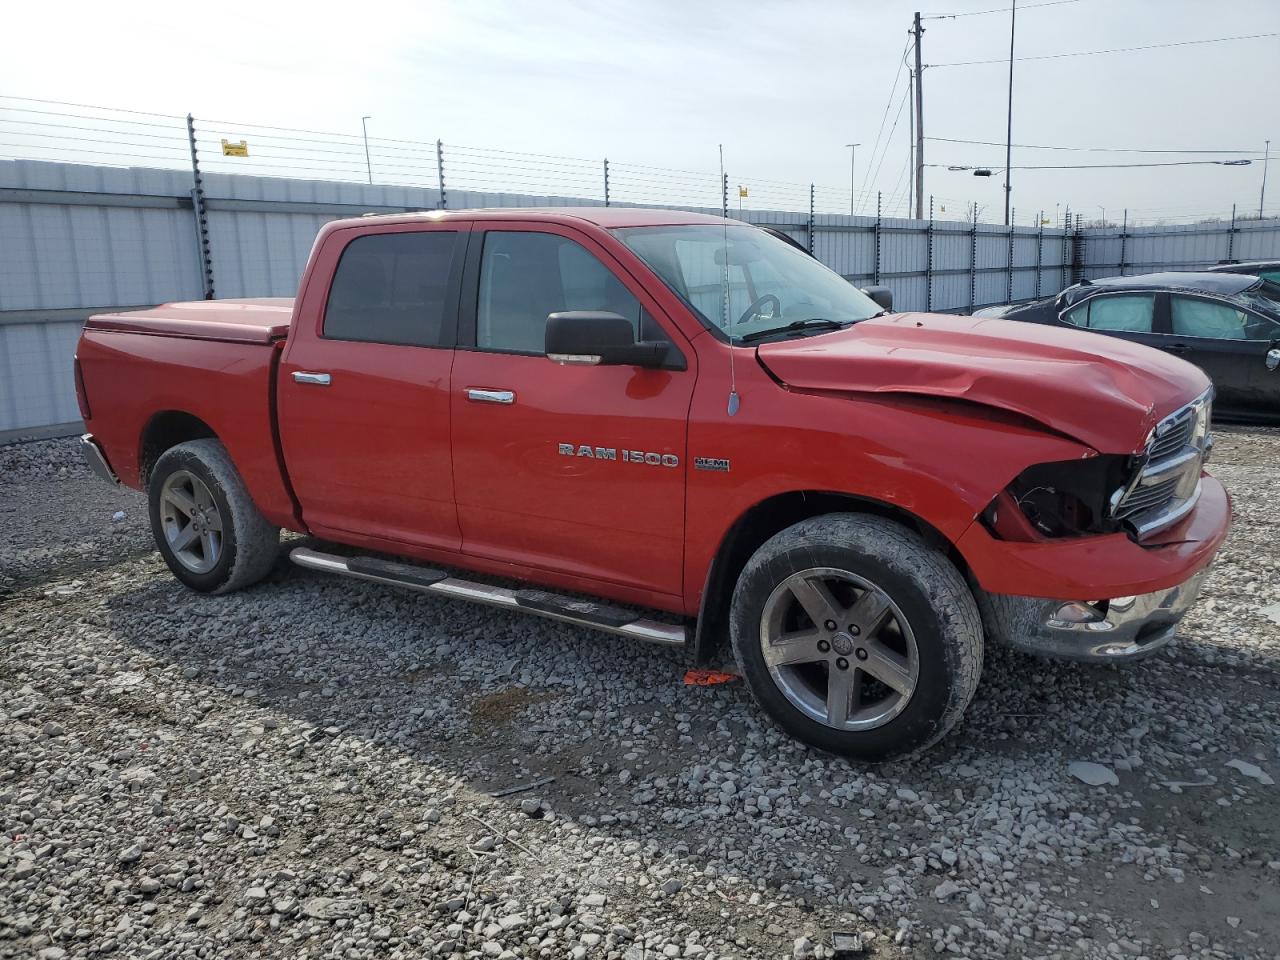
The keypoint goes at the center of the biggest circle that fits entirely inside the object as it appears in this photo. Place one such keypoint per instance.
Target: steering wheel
(754, 309)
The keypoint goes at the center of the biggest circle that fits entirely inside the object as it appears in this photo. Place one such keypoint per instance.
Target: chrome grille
(1176, 436)
(1166, 485)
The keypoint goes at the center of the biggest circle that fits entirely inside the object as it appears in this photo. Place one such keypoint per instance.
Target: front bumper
(96, 459)
(1111, 565)
(1122, 628)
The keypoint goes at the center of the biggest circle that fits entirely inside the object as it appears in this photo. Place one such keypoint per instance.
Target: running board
(543, 603)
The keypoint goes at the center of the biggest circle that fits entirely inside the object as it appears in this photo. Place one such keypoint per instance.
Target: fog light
(1115, 649)
(1121, 604)
(1077, 611)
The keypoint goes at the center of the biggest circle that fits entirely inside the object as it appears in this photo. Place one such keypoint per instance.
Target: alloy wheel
(191, 520)
(839, 649)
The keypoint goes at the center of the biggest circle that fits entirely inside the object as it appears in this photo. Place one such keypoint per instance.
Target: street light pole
(1008, 143)
(1262, 194)
(853, 158)
(368, 165)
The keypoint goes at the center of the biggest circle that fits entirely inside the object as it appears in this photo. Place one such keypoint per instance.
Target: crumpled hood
(1104, 391)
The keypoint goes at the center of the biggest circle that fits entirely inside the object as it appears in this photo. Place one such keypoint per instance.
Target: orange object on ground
(707, 678)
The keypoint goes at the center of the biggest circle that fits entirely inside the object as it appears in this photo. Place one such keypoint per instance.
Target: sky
(659, 86)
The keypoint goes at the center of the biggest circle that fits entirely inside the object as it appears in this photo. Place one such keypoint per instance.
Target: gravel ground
(304, 770)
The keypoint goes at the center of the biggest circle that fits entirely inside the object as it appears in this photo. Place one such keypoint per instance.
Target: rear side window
(392, 288)
(1124, 313)
(1192, 317)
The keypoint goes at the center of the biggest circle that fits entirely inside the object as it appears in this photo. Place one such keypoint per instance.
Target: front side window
(1123, 313)
(391, 288)
(1215, 320)
(526, 276)
(744, 281)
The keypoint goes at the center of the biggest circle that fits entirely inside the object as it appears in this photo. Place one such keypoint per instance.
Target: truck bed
(261, 320)
(207, 369)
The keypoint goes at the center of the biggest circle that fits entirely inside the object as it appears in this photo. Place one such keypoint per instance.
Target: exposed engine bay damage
(1066, 499)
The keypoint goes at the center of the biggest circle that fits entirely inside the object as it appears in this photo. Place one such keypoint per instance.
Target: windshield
(772, 286)
(1264, 296)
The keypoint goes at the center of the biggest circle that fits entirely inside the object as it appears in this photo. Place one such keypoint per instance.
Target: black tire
(247, 545)
(928, 591)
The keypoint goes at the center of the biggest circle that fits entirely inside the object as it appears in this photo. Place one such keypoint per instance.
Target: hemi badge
(716, 464)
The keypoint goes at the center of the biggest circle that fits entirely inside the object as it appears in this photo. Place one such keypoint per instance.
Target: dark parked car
(1266, 269)
(1228, 324)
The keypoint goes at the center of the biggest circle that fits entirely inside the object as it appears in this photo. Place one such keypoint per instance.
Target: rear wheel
(205, 524)
(856, 636)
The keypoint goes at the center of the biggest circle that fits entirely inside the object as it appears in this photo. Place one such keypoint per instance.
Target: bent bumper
(97, 461)
(1106, 566)
(1122, 628)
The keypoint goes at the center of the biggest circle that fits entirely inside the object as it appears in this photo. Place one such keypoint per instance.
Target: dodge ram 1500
(678, 429)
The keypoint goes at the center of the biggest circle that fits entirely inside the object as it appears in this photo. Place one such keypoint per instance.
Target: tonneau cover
(262, 320)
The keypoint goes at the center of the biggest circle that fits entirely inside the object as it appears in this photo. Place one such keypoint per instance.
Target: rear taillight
(82, 398)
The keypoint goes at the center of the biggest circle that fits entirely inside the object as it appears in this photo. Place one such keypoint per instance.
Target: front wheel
(206, 525)
(856, 636)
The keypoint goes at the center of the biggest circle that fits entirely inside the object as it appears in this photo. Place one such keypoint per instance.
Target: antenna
(724, 299)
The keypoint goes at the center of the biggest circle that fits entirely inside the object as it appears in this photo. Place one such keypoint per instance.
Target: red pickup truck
(679, 429)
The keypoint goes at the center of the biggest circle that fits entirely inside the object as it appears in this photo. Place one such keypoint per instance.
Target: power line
(1094, 53)
(90, 106)
(902, 62)
(875, 177)
(1040, 146)
(979, 13)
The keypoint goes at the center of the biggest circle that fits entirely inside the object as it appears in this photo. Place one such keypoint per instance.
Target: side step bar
(543, 603)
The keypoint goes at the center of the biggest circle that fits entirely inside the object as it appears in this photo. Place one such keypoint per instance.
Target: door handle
(319, 379)
(481, 395)
(1174, 348)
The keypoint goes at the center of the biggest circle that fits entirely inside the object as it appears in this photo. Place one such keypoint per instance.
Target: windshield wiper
(814, 323)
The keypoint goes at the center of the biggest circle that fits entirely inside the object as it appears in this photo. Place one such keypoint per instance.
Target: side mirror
(883, 296)
(1273, 358)
(593, 338)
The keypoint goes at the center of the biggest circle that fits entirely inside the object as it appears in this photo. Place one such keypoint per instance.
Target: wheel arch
(166, 430)
(770, 516)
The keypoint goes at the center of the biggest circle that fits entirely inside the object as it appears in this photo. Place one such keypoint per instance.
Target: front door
(580, 469)
(364, 387)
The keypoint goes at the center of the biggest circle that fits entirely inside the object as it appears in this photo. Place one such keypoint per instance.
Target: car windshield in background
(772, 286)
(1265, 297)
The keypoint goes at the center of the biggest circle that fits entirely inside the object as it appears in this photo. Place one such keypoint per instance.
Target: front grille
(1166, 485)
(1176, 436)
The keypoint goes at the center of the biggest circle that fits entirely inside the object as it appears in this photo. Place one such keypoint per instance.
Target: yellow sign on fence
(230, 149)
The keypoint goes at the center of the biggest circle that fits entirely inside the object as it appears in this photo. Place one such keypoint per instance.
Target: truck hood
(1103, 391)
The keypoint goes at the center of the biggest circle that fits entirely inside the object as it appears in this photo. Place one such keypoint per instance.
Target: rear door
(1230, 344)
(364, 384)
(577, 469)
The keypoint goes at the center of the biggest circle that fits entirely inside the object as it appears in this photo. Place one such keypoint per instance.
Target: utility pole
(1008, 141)
(1262, 195)
(911, 149)
(368, 165)
(919, 107)
(853, 158)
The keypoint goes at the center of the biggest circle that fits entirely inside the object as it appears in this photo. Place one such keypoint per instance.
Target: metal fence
(77, 239)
